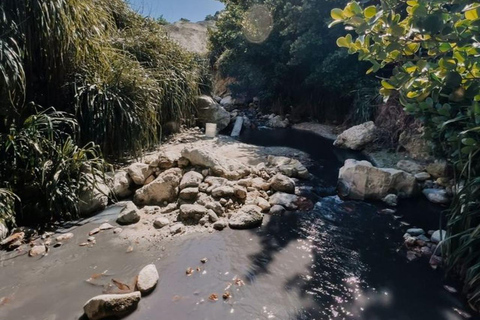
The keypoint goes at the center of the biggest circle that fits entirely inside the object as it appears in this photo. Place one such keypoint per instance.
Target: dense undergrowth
(283, 52)
(80, 79)
(433, 48)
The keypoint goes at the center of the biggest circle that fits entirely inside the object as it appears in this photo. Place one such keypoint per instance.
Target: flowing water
(341, 260)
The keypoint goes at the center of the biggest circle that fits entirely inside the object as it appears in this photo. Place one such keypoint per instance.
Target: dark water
(342, 260)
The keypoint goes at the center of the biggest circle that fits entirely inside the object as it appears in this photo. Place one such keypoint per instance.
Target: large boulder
(285, 200)
(191, 179)
(139, 172)
(3, 230)
(95, 197)
(357, 137)
(209, 111)
(163, 188)
(283, 183)
(414, 143)
(129, 214)
(359, 180)
(220, 166)
(147, 279)
(289, 167)
(249, 216)
(120, 185)
(111, 305)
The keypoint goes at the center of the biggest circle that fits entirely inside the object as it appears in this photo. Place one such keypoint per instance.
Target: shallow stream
(342, 260)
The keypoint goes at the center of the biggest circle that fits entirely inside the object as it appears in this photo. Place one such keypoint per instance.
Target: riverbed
(341, 260)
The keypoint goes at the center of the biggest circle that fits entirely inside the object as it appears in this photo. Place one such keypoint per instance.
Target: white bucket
(211, 130)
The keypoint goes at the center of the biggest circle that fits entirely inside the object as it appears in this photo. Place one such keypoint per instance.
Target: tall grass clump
(80, 79)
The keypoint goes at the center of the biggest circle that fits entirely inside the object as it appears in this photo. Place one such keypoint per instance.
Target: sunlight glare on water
(257, 23)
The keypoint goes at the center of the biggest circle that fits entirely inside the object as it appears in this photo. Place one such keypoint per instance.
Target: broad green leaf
(337, 14)
(370, 12)
(387, 85)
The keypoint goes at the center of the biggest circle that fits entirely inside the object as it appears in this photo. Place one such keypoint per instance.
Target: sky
(173, 10)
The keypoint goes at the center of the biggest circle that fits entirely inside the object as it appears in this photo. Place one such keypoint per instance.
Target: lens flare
(257, 23)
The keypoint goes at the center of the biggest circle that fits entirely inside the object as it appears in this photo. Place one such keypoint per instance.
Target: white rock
(391, 200)
(283, 183)
(249, 216)
(161, 222)
(129, 214)
(438, 196)
(163, 188)
(359, 180)
(111, 305)
(289, 167)
(37, 250)
(220, 224)
(105, 226)
(191, 179)
(147, 279)
(139, 172)
(286, 200)
(263, 204)
(438, 236)
(192, 212)
(64, 237)
(422, 176)
(177, 228)
(120, 185)
(95, 197)
(357, 137)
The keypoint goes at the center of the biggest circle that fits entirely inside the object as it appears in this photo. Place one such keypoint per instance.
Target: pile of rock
(422, 244)
(196, 187)
(119, 305)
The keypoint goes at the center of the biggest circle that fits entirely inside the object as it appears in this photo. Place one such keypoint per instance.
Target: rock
(216, 207)
(147, 279)
(37, 250)
(192, 212)
(191, 179)
(220, 224)
(277, 210)
(117, 230)
(149, 179)
(415, 145)
(105, 226)
(183, 162)
(438, 236)
(286, 200)
(223, 192)
(111, 305)
(282, 183)
(289, 167)
(438, 196)
(3, 231)
(359, 180)
(260, 184)
(248, 216)
(209, 111)
(263, 204)
(169, 208)
(120, 185)
(161, 222)
(166, 160)
(422, 176)
(391, 200)
(212, 216)
(189, 194)
(94, 231)
(357, 137)
(139, 172)
(220, 166)
(129, 214)
(177, 228)
(414, 232)
(64, 237)
(240, 192)
(216, 181)
(95, 197)
(278, 122)
(410, 166)
(227, 101)
(163, 188)
(203, 221)
(437, 169)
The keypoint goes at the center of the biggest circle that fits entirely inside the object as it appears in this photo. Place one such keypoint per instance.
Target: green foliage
(431, 48)
(288, 58)
(42, 165)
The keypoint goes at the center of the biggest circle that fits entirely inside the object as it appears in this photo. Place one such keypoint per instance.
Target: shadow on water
(357, 267)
